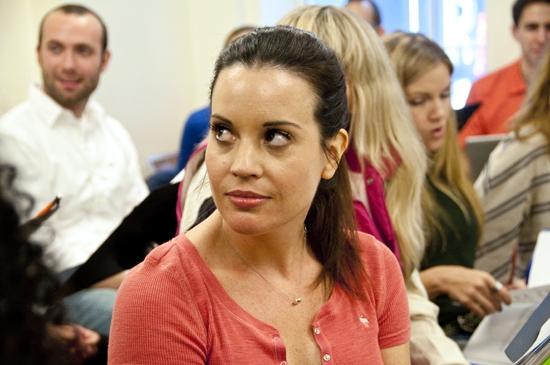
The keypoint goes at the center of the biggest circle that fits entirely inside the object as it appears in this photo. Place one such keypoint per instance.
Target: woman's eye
(222, 133)
(416, 102)
(446, 95)
(277, 138)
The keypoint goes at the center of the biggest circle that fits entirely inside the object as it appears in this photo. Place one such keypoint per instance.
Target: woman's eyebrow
(280, 123)
(223, 119)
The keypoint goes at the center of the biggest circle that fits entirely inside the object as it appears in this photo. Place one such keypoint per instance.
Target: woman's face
(264, 156)
(430, 104)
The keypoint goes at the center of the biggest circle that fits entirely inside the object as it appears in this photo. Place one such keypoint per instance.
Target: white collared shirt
(91, 161)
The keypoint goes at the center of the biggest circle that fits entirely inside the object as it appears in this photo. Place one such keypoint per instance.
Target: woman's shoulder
(528, 141)
(165, 253)
(514, 163)
(170, 262)
(376, 257)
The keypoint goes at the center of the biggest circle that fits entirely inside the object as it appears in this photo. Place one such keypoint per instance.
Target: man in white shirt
(63, 143)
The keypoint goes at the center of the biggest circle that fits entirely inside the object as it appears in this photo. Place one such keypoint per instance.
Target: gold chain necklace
(295, 301)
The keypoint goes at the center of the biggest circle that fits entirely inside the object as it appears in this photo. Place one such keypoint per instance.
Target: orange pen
(50, 206)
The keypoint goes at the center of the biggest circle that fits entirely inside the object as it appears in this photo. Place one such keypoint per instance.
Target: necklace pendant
(296, 301)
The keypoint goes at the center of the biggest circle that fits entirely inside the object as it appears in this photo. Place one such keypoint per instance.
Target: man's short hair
(519, 5)
(376, 11)
(79, 10)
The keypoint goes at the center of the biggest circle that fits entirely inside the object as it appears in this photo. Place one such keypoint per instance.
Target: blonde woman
(385, 156)
(452, 211)
(514, 187)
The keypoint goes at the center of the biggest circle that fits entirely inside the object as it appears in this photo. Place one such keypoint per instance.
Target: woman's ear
(336, 146)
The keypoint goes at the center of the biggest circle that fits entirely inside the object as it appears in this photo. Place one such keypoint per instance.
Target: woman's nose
(246, 160)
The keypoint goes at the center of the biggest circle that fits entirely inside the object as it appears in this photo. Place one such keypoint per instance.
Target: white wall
(18, 37)
(502, 48)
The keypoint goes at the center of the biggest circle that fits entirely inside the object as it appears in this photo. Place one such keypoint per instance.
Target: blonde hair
(381, 127)
(413, 55)
(535, 110)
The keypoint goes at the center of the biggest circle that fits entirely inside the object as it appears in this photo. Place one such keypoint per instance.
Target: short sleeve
(141, 330)
(388, 287)
(394, 316)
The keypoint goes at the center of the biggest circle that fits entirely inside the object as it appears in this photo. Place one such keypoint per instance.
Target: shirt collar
(52, 112)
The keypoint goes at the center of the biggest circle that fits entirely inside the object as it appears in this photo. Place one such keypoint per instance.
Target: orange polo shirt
(501, 94)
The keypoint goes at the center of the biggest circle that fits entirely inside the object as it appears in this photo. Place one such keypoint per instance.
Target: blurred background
(163, 51)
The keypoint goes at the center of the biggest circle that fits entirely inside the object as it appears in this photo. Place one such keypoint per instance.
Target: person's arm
(112, 281)
(396, 355)
(428, 343)
(81, 342)
(156, 320)
(469, 287)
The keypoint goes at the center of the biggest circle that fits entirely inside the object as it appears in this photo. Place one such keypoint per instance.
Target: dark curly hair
(28, 289)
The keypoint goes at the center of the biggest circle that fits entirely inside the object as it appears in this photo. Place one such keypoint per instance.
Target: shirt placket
(323, 343)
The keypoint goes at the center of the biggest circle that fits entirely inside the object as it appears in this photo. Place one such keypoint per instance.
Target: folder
(152, 222)
(497, 331)
(530, 340)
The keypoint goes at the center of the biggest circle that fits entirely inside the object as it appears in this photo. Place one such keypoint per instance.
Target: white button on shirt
(91, 161)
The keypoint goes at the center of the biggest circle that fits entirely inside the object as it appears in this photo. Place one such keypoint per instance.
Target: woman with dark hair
(278, 273)
(32, 330)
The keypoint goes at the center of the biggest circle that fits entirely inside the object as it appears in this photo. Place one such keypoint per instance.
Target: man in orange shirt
(501, 93)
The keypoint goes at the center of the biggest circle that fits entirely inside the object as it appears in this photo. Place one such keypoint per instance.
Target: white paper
(540, 267)
(530, 295)
(496, 331)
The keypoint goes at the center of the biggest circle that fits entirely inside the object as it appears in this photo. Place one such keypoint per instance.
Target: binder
(532, 343)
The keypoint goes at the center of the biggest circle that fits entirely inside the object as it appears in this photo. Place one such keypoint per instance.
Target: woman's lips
(246, 199)
(438, 133)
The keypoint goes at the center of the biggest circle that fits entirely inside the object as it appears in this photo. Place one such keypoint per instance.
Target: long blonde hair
(381, 127)
(413, 55)
(535, 110)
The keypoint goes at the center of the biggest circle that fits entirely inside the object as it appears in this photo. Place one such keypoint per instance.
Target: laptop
(478, 149)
